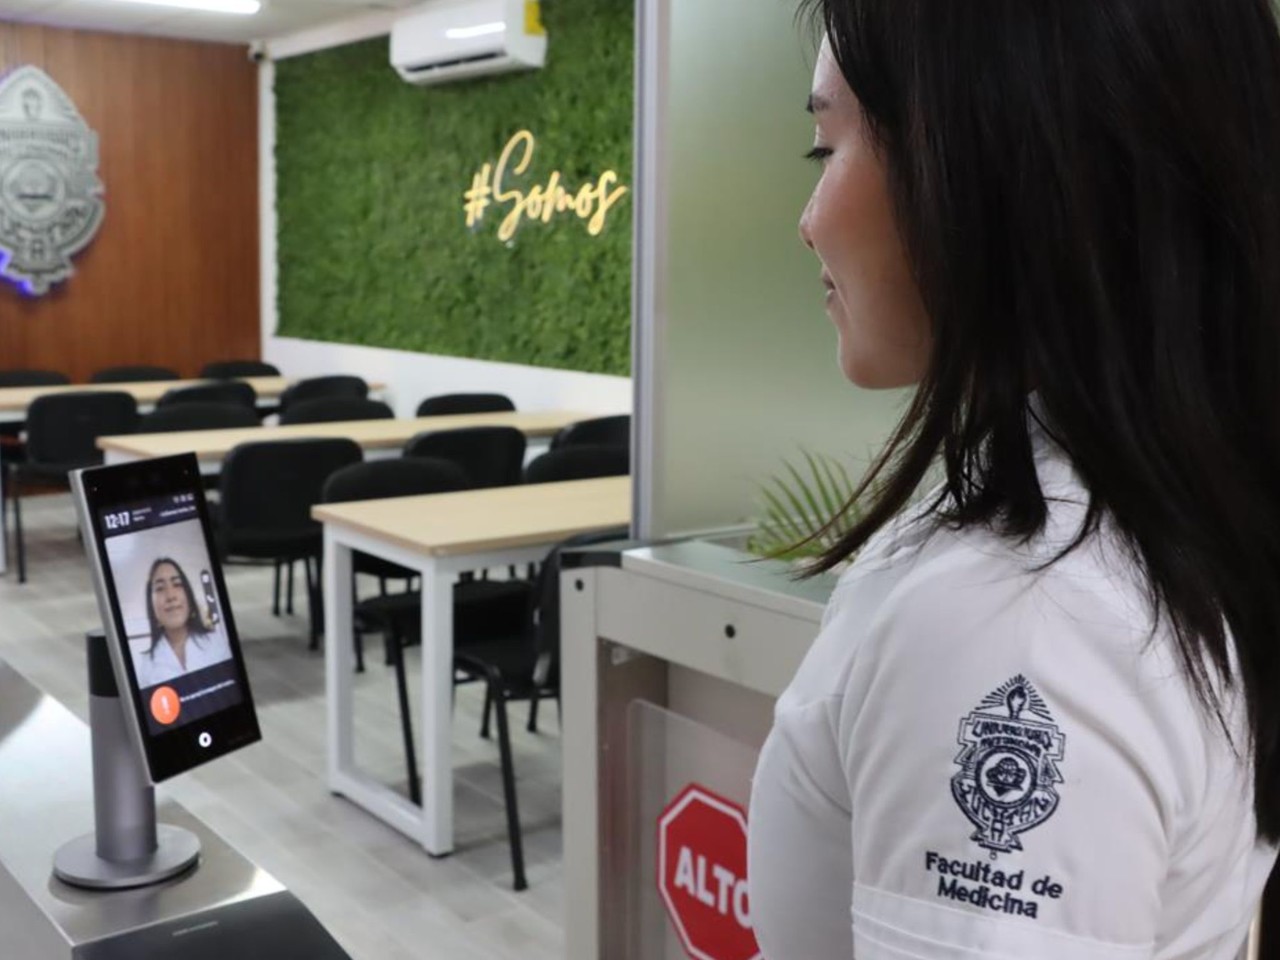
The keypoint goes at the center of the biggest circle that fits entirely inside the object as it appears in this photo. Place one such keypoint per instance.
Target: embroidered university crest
(50, 195)
(1008, 767)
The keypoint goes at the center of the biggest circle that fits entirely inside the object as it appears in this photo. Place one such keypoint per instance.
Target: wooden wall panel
(172, 277)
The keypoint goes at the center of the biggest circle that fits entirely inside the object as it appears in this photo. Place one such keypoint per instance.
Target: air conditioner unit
(453, 39)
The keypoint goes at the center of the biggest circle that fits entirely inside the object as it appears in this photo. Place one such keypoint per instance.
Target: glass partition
(735, 360)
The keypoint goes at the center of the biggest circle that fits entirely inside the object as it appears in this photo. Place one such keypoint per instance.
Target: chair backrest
(62, 428)
(489, 456)
(379, 479)
(235, 392)
(270, 486)
(230, 369)
(599, 432)
(579, 463)
(317, 388)
(33, 378)
(452, 403)
(546, 635)
(138, 374)
(331, 409)
(197, 416)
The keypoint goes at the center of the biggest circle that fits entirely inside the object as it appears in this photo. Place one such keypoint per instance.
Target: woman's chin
(858, 371)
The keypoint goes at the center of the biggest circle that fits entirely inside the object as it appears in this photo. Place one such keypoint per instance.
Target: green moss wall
(371, 171)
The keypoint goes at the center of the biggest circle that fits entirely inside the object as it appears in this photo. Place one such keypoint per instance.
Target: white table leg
(339, 658)
(437, 714)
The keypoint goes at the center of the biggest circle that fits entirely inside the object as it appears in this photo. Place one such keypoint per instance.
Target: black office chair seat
(62, 434)
(334, 409)
(181, 417)
(252, 545)
(481, 609)
(612, 431)
(579, 463)
(233, 392)
(512, 658)
(447, 404)
(490, 456)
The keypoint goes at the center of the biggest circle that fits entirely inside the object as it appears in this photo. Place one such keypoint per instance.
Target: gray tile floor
(379, 893)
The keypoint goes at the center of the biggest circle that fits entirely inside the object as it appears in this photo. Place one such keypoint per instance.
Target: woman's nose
(806, 236)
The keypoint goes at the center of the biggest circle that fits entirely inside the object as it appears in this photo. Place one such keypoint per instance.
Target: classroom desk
(439, 536)
(15, 400)
(378, 438)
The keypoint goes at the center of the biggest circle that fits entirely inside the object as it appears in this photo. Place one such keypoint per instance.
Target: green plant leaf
(799, 502)
(824, 491)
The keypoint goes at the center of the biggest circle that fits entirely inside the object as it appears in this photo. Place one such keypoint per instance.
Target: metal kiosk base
(107, 898)
(126, 849)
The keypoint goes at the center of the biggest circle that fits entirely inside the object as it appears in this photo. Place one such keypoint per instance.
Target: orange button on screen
(165, 705)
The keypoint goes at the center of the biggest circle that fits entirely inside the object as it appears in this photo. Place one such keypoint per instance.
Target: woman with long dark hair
(1042, 718)
(180, 641)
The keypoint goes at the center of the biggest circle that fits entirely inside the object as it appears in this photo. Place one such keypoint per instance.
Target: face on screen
(161, 570)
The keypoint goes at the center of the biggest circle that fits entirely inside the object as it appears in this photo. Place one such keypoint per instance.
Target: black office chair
(268, 489)
(326, 410)
(179, 417)
(231, 369)
(235, 392)
(490, 456)
(33, 378)
(379, 480)
(522, 663)
(62, 434)
(600, 432)
(319, 388)
(333, 409)
(579, 463)
(453, 403)
(483, 610)
(135, 374)
(524, 666)
(182, 417)
(11, 447)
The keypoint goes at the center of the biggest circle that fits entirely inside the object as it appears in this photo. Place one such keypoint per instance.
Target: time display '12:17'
(116, 521)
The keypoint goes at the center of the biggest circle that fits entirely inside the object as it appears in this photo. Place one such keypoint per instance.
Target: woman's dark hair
(195, 626)
(1089, 194)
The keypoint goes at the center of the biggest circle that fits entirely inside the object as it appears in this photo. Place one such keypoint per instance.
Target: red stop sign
(702, 875)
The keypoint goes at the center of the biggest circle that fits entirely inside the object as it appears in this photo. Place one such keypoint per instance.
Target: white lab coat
(977, 760)
(162, 664)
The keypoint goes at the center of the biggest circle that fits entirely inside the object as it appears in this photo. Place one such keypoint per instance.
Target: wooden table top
(17, 399)
(478, 521)
(370, 434)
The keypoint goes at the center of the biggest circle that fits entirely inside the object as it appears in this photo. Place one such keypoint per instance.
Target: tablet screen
(176, 649)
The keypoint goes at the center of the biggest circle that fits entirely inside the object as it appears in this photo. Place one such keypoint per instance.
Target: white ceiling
(277, 18)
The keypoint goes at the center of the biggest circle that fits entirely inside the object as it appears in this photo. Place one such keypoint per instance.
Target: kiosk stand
(672, 658)
(126, 849)
(226, 908)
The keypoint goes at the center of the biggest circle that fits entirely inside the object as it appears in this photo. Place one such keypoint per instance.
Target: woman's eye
(818, 153)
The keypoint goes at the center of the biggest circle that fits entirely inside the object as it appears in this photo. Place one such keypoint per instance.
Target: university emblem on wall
(1009, 765)
(50, 195)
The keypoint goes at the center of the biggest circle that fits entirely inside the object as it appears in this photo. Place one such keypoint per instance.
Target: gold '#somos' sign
(591, 202)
